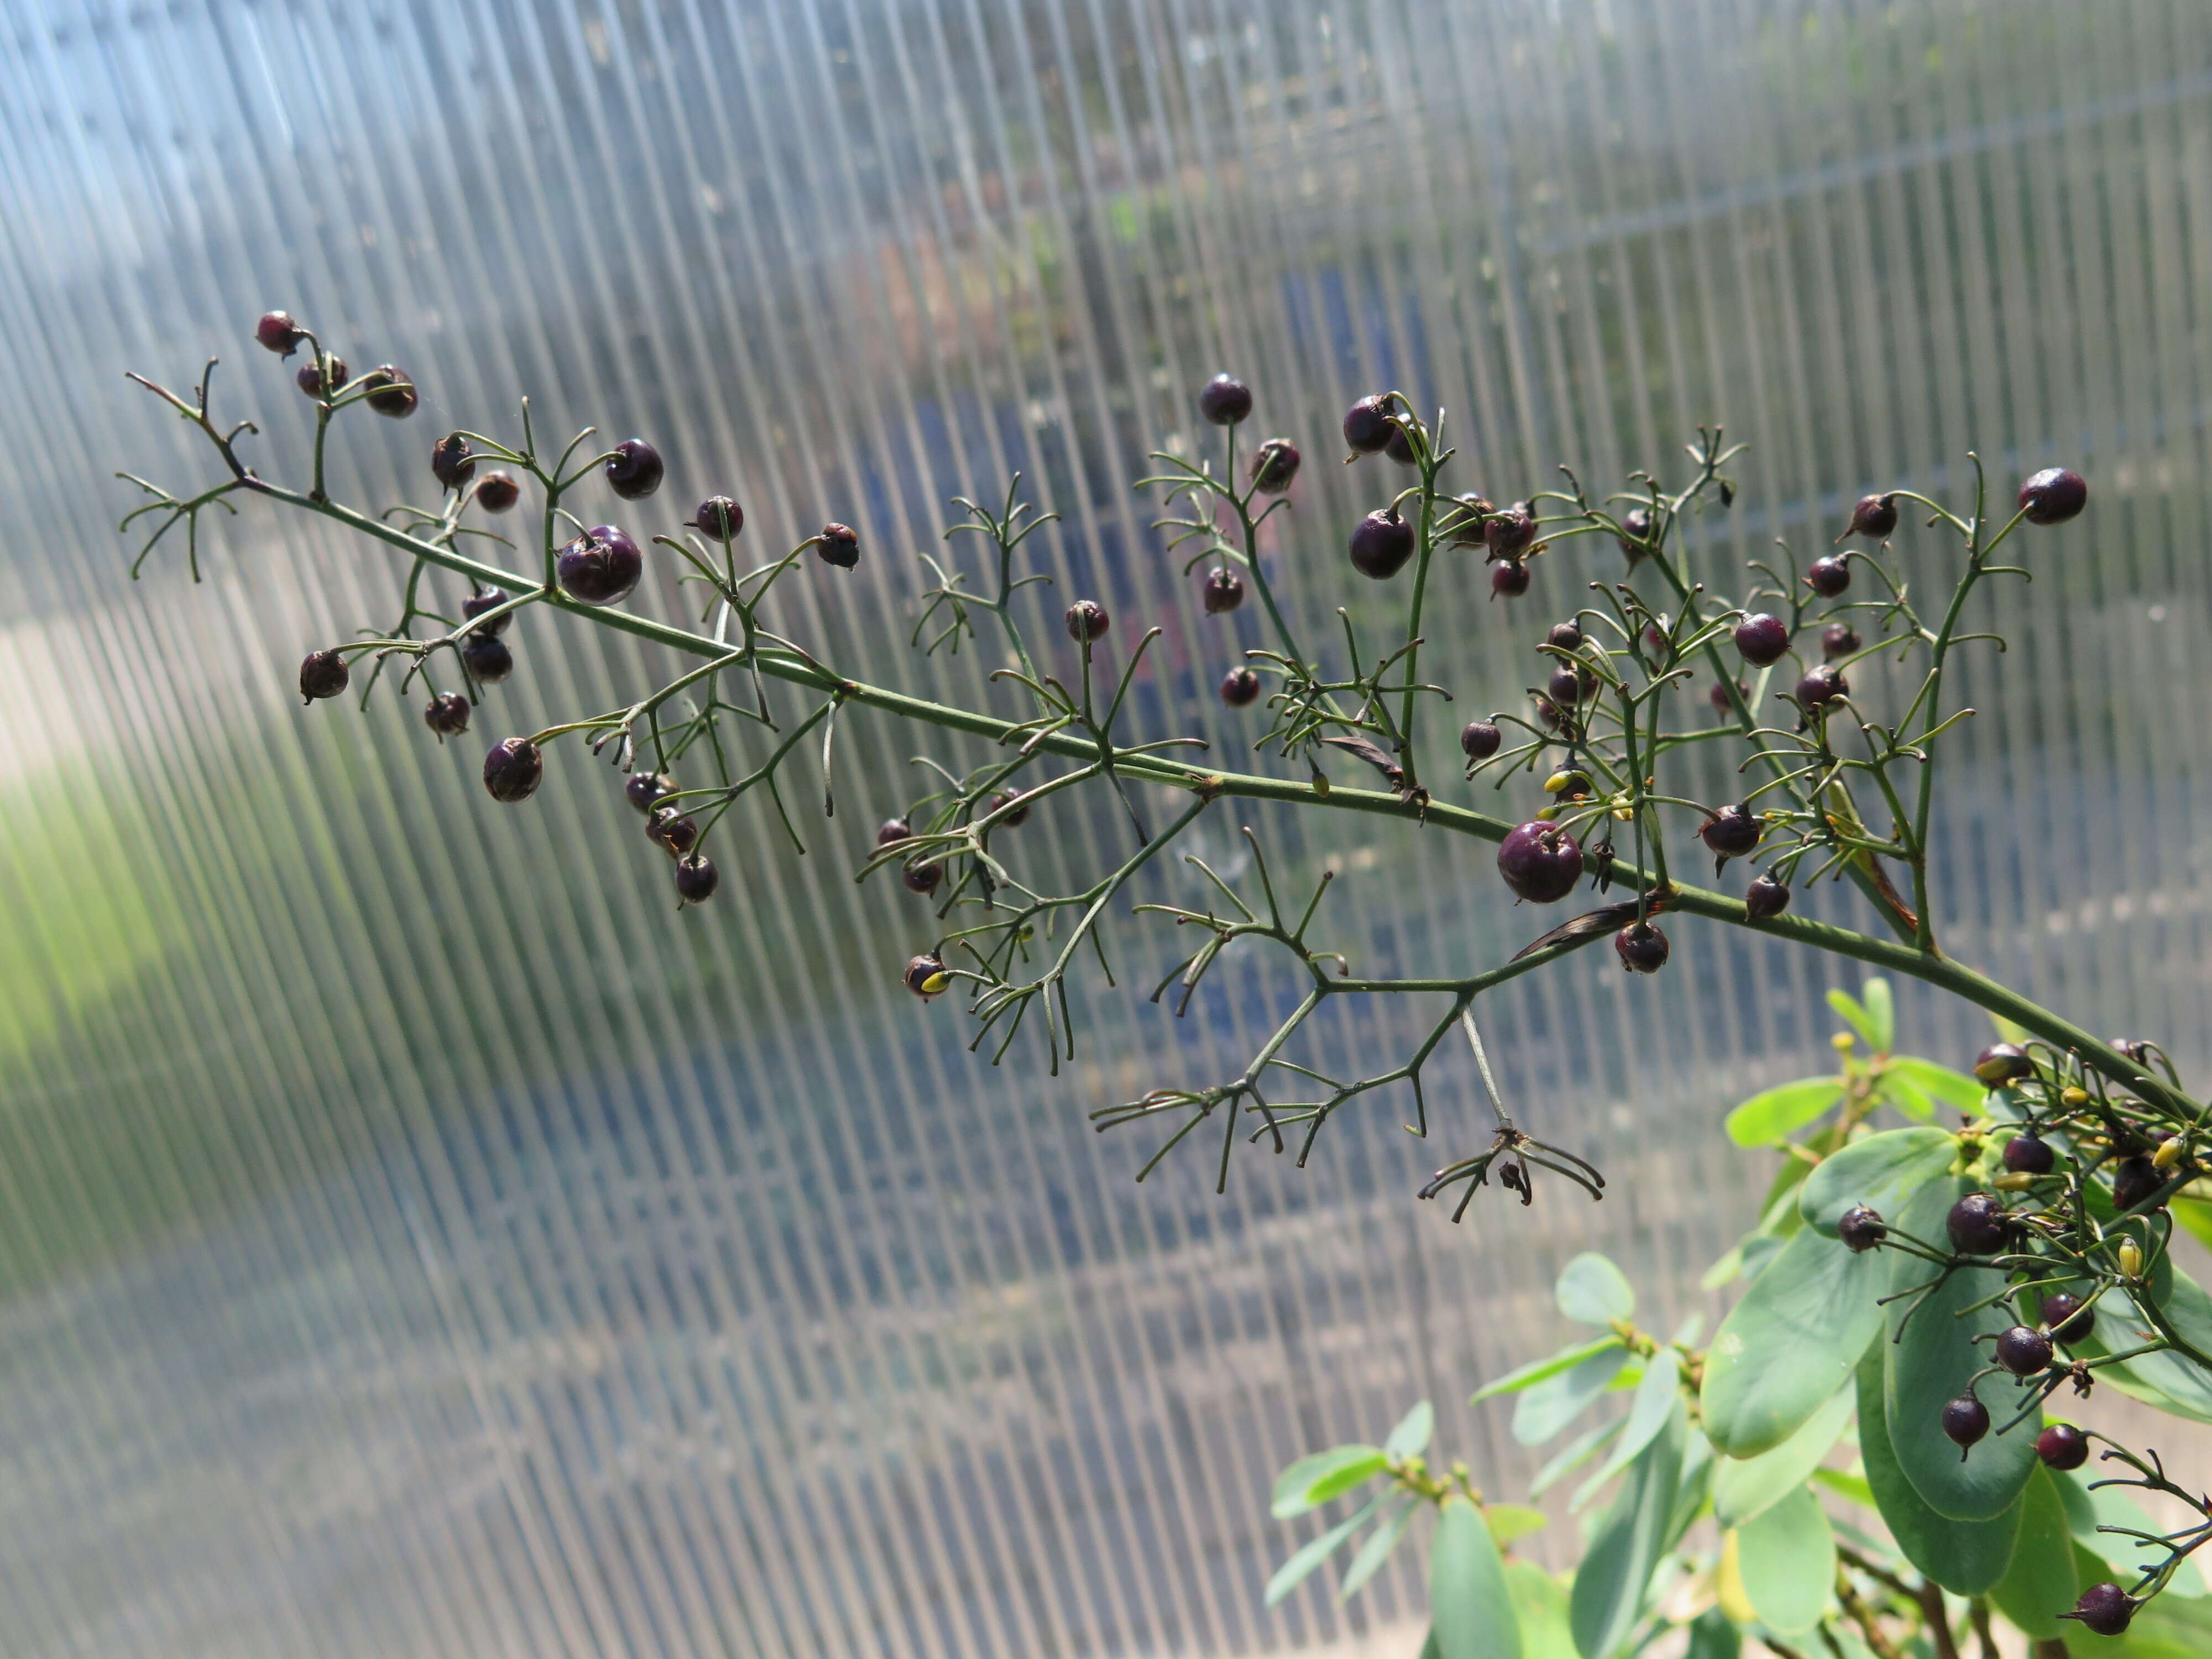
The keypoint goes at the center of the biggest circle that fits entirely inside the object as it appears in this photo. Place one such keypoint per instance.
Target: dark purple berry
(2024, 1351)
(488, 660)
(695, 879)
(1466, 522)
(1655, 639)
(1240, 687)
(1731, 832)
(600, 566)
(1509, 578)
(2104, 1608)
(478, 604)
(634, 470)
(670, 831)
(1565, 635)
(1224, 590)
(1637, 542)
(1509, 531)
(893, 831)
(1838, 639)
(1966, 1420)
(1566, 687)
(1762, 639)
(1540, 862)
(2136, 1048)
(1275, 464)
(720, 518)
(1979, 1224)
(2071, 1321)
(922, 878)
(925, 976)
(2062, 1446)
(1820, 686)
(278, 332)
(2136, 1181)
(1765, 898)
(2002, 1063)
(496, 492)
(451, 462)
(389, 392)
(1400, 448)
(1642, 948)
(1861, 1229)
(1381, 544)
(1874, 518)
(1368, 425)
(323, 674)
(1014, 819)
(1087, 620)
(1828, 575)
(643, 790)
(1480, 739)
(320, 380)
(1548, 711)
(839, 546)
(1717, 694)
(513, 768)
(2029, 1154)
(1224, 400)
(2053, 495)
(447, 715)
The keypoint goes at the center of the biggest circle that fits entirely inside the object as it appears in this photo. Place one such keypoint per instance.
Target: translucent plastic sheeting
(417, 1238)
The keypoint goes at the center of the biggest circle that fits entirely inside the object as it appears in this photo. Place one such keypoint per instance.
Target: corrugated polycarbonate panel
(418, 1238)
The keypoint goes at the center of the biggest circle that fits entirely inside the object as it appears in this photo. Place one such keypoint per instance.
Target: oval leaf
(1509, 1522)
(1927, 1362)
(1882, 1172)
(1319, 1476)
(1790, 1343)
(1766, 1118)
(1787, 1557)
(2039, 1582)
(1965, 1556)
(1410, 1436)
(1742, 1488)
(1593, 1292)
(1397, 1516)
(1860, 1019)
(1539, 1603)
(1551, 1406)
(1608, 1598)
(1880, 1011)
(1939, 1082)
(1647, 1415)
(1469, 1604)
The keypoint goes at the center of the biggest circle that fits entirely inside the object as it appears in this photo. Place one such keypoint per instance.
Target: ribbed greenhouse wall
(417, 1238)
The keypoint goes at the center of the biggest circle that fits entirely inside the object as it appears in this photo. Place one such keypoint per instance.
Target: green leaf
(1787, 1556)
(1655, 1403)
(1965, 1556)
(1714, 1636)
(2195, 1217)
(2187, 1306)
(1319, 1476)
(1929, 1361)
(1542, 1370)
(1859, 1018)
(1880, 1011)
(1852, 1488)
(1769, 1117)
(1549, 1406)
(1742, 1488)
(1899, 1092)
(1725, 1271)
(2019, 1035)
(1468, 1600)
(1510, 1522)
(1882, 1172)
(1790, 1343)
(1539, 1603)
(1397, 1516)
(1953, 1089)
(1579, 1451)
(1608, 1598)
(1593, 1292)
(1412, 1435)
(1295, 1570)
(2039, 1584)
(1695, 1487)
